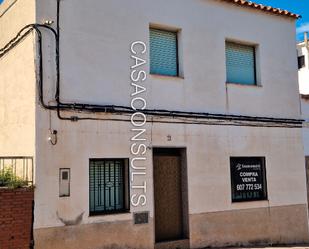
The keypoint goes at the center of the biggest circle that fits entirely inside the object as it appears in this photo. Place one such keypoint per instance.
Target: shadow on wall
(72, 222)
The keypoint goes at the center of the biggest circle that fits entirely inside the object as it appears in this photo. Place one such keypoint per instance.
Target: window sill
(109, 213)
(166, 76)
(250, 204)
(250, 201)
(111, 217)
(241, 84)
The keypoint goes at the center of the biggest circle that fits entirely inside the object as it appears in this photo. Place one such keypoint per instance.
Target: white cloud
(303, 28)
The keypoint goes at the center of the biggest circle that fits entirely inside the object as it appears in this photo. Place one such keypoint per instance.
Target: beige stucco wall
(17, 81)
(246, 227)
(108, 235)
(250, 227)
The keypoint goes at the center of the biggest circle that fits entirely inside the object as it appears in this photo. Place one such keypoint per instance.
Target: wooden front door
(168, 196)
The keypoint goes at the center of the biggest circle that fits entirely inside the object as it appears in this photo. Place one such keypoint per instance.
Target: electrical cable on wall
(183, 117)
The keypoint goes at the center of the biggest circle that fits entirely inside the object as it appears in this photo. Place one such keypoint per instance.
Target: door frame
(182, 152)
(307, 179)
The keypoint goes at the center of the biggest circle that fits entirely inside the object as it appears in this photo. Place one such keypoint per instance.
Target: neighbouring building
(155, 124)
(303, 77)
(303, 65)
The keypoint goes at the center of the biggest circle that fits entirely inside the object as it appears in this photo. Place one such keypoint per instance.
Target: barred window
(163, 52)
(108, 186)
(240, 63)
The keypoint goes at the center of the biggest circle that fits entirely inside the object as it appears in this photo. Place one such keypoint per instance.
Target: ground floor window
(108, 186)
(248, 179)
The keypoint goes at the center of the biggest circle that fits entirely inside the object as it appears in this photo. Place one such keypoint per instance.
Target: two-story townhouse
(155, 124)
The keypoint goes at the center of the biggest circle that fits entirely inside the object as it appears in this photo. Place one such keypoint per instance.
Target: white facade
(303, 73)
(305, 113)
(95, 66)
(303, 78)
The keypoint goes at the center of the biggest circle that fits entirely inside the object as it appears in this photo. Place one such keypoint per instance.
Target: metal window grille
(19, 167)
(107, 186)
(240, 63)
(163, 52)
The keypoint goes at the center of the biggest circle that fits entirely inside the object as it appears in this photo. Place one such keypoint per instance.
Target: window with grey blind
(108, 186)
(163, 52)
(240, 63)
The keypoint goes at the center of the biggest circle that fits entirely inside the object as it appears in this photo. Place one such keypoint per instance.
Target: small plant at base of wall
(9, 180)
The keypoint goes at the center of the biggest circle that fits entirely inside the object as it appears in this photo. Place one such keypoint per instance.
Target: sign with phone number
(248, 178)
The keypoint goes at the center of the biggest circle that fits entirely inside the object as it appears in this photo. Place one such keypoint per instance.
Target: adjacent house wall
(303, 73)
(17, 81)
(305, 116)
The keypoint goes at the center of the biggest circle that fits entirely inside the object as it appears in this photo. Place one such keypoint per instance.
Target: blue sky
(297, 6)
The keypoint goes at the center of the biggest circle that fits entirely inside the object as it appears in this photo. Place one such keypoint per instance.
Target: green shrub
(8, 179)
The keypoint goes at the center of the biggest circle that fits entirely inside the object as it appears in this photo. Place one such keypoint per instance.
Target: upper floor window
(108, 186)
(163, 52)
(240, 63)
(301, 61)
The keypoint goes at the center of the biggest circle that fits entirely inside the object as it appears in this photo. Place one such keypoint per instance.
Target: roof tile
(262, 7)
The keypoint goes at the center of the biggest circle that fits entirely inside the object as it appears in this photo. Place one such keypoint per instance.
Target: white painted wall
(95, 55)
(95, 68)
(303, 73)
(208, 152)
(303, 78)
(305, 116)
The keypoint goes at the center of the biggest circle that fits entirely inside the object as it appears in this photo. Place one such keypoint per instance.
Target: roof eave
(261, 7)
